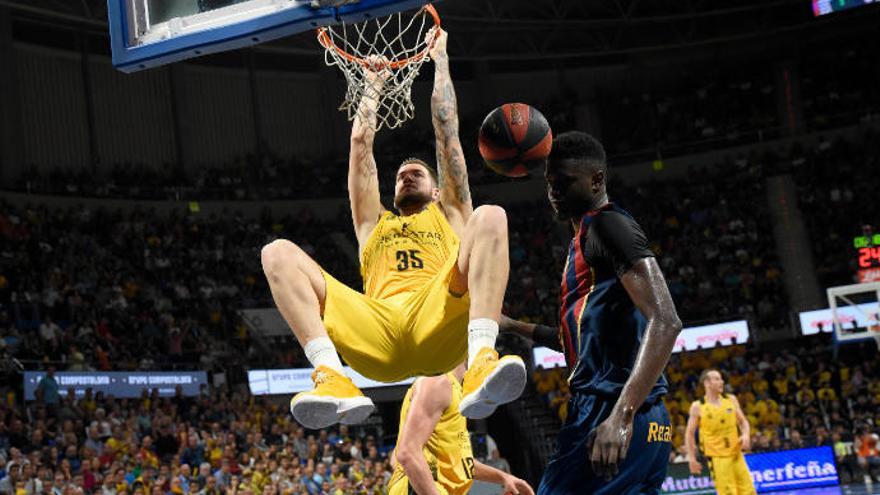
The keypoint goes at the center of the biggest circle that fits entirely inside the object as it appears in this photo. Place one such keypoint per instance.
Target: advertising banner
(771, 471)
(690, 339)
(548, 358)
(793, 469)
(120, 384)
(680, 481)
(715, 335)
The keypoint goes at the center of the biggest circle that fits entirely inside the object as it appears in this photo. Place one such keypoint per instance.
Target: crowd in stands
(250, 177)
(844, 85)
(712, 234)
(538, 247)
(701, 108)
(709, 112)
(90, 288)
(222, 442)
(837, 188)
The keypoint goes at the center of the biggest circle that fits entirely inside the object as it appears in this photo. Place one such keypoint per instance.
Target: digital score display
(822, 7)
(868, 249)
(868, 257)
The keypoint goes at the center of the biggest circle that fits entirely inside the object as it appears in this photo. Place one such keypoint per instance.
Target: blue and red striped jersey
(600, 327)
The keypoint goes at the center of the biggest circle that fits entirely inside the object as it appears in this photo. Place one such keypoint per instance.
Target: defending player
(432, 270)
(433, 452)
(618, 327)
(718, 415)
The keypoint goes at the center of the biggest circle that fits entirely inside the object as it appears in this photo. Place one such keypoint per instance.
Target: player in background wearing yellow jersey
(718, 415)
(433, 453)
(434, 276)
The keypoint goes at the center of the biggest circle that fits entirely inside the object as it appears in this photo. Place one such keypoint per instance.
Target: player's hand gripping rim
(436, 38)
(377, 70)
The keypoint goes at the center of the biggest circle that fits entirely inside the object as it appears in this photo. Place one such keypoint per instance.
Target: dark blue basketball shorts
(643, 471)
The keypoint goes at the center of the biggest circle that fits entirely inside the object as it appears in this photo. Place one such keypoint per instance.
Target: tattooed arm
(455, 193)
(363, 179)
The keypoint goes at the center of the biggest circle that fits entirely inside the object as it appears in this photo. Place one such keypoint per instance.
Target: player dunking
(718, 415)
(433, 453)
(432, 270)
(618, 327)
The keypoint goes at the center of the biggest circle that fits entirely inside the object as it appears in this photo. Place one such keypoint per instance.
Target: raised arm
(455, 193)
(690, 439)
(430, 397)
(363, 178)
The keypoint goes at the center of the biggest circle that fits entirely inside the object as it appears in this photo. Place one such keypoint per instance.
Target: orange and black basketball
(514, 139)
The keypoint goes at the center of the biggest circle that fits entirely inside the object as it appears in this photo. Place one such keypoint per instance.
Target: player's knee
(275, 255)
(490, 220)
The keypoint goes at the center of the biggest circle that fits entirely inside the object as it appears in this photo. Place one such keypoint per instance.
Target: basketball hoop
(403, 39)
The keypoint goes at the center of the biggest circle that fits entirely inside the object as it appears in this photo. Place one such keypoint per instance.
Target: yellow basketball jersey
(718, 432)
(448, 450)
(405, 252)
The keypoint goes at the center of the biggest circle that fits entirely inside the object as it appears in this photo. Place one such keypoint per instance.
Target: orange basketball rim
(327, 42)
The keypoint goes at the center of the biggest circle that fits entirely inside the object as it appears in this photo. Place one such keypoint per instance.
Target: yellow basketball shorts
(420, 333)
(731, 475)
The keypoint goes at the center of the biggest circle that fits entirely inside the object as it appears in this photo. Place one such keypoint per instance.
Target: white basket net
(402, 39)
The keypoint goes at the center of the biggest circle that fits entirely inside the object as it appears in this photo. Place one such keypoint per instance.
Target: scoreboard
(867, 252)
(822, 7)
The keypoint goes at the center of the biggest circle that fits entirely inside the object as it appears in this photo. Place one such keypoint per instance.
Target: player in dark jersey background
(617, 327)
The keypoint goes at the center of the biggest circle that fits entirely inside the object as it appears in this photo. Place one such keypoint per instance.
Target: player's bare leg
(483, 262)
(483, 269)
(299, 290)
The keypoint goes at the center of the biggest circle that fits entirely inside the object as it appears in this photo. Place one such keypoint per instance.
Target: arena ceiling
(552, 29)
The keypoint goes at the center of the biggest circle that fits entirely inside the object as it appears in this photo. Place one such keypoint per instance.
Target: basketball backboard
(150, 33)
(855, 311)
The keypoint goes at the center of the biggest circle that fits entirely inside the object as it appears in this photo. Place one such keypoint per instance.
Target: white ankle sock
(322, 352)
(482, 332)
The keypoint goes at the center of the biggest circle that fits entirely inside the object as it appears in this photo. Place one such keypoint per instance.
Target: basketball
(514, 139)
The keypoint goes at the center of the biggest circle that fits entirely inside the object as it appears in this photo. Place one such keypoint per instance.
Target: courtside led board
(150, 33)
